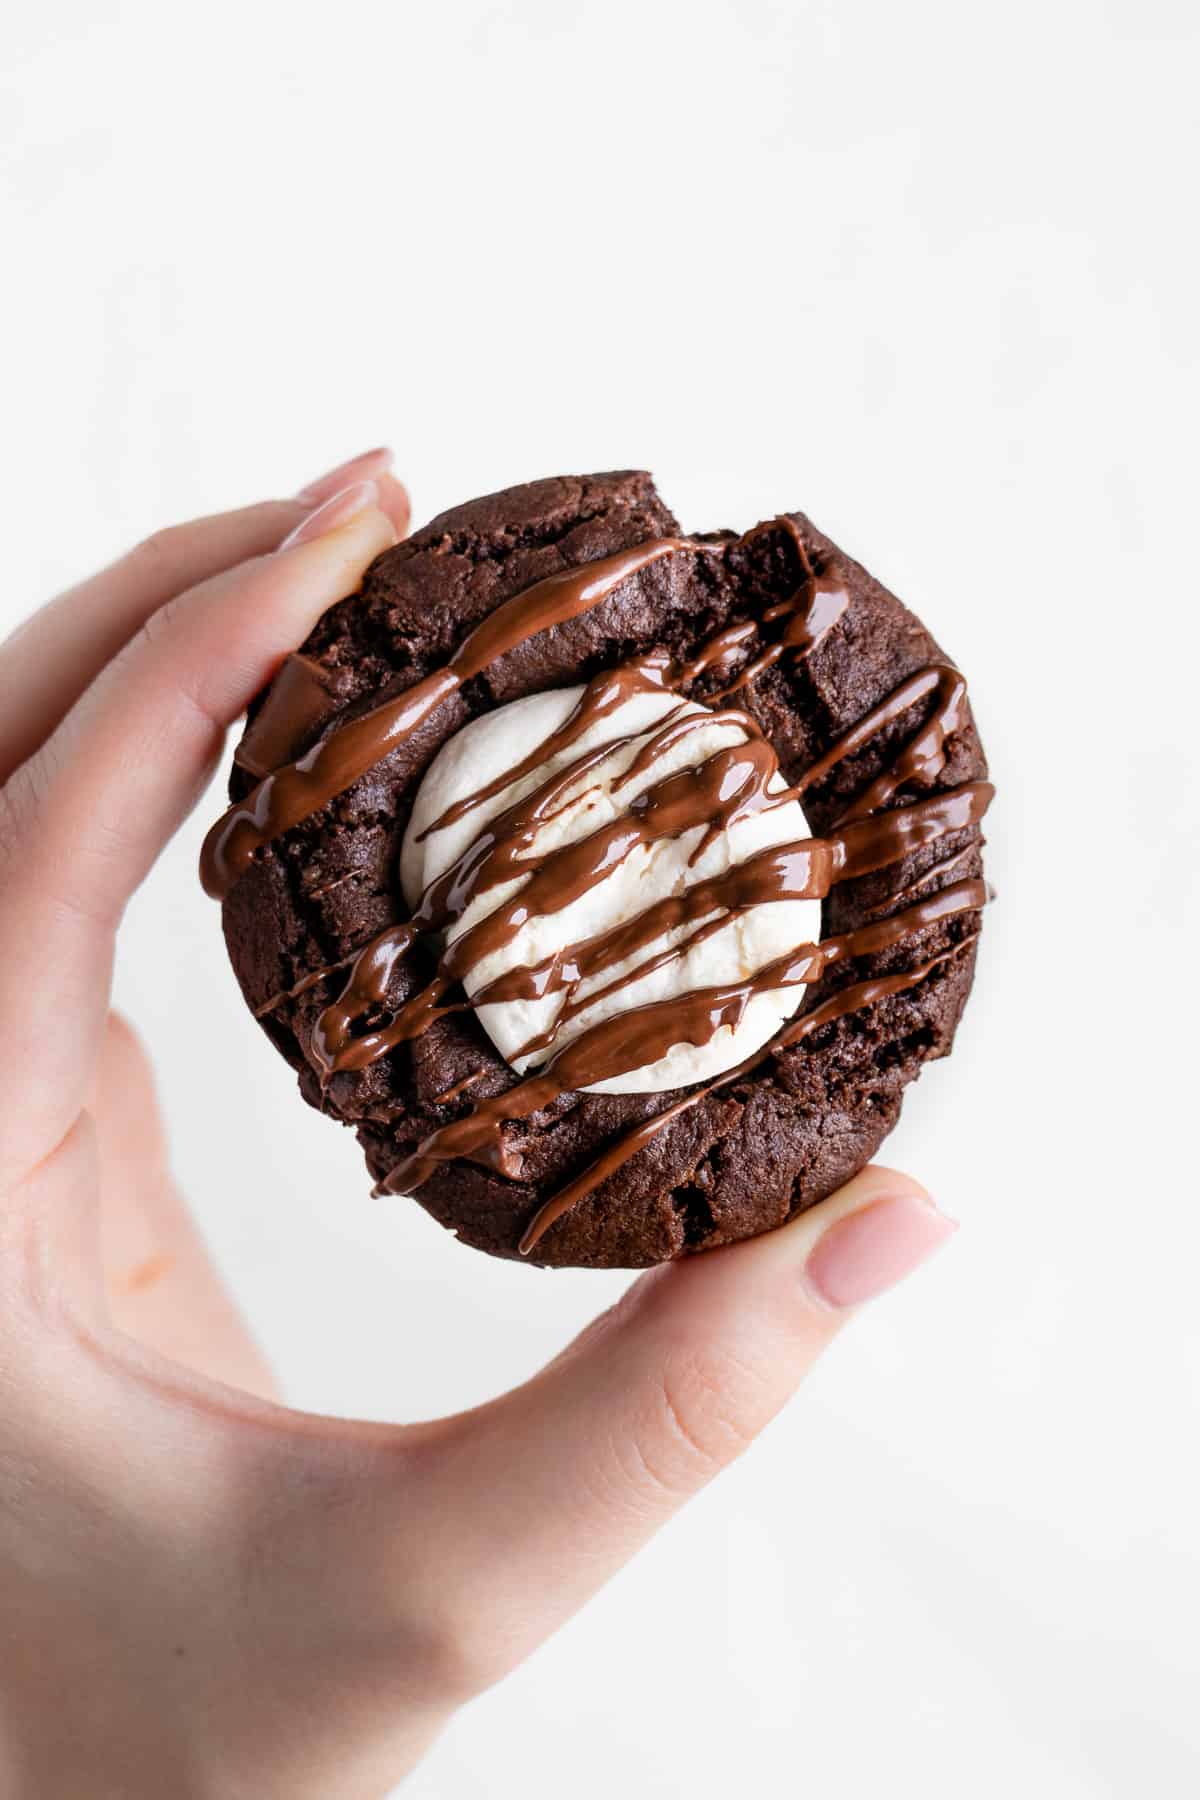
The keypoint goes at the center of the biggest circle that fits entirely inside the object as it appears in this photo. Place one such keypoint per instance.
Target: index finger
(84, 819)
(56, 654)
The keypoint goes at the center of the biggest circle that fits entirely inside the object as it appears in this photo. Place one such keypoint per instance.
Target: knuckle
(160, 549)
(19, 804)
(157, 625)
(705, 1409)
(10, 820)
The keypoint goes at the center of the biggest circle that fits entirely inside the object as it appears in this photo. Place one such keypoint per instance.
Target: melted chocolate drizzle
(289, 794)
(733, 782)
(632, 1040)
(849, 1000)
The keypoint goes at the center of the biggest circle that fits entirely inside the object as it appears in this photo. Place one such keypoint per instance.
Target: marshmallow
(737, 950)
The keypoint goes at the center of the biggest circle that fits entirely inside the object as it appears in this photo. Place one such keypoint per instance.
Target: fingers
(542, 1496)
(49, 661)
(86, 816)
(161, 1284)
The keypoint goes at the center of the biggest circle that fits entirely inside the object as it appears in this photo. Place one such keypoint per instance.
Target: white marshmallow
(503, 738)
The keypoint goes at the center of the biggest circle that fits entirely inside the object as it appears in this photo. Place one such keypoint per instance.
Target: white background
(925, 271)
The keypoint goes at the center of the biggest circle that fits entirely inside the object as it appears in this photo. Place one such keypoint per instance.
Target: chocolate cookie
(707, 745)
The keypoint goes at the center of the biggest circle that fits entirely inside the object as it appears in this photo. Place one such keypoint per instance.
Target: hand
(202, 1592)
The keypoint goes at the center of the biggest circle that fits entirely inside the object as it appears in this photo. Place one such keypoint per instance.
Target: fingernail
(332, 513)
(359, 468)
(872, 1249)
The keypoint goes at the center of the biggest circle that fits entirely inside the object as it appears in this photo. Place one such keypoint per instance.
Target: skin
(203, 1592)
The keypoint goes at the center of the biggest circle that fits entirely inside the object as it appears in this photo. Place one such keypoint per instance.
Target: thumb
(546, 1492)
